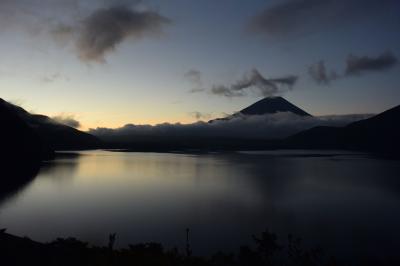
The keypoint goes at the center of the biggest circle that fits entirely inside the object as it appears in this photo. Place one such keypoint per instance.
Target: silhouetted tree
(267, 246)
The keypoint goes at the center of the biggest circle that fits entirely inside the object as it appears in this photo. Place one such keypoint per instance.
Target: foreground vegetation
(267, 251)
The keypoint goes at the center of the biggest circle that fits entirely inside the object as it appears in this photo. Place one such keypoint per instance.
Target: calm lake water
(346, 203)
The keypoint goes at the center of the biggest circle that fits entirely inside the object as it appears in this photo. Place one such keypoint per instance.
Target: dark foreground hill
(55, 135)
(21, 151)
(380, 133)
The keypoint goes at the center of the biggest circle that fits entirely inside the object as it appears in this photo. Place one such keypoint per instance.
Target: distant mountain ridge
(51, 133)
(38, 135)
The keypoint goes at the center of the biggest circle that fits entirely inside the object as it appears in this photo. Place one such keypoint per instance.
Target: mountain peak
(271, 105)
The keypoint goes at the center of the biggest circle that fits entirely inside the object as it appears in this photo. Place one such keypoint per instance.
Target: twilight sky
(108, 63)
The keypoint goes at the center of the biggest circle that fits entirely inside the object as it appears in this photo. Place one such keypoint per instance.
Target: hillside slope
(55, 135)
(379, 133)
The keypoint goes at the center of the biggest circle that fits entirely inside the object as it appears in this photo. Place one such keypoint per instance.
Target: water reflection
(347, 203)
(13, 181)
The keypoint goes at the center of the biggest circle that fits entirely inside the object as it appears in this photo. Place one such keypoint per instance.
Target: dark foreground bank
(267, 250)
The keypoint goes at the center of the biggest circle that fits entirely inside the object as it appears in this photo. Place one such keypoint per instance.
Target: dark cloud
(293, 17)
(223, 90)
(256, 83)
(94, 27)
(270, 126)
(104, 29)
(68, 120)
(356, 65)
(320, 74)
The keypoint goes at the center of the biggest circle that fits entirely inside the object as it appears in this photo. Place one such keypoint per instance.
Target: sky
(110, 63)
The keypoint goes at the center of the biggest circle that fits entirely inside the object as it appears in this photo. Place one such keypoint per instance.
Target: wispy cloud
(194, 76)
(67, 119)
(53, 78)
(356, 65)
(200, 115)
(320, 74)
(256, 83)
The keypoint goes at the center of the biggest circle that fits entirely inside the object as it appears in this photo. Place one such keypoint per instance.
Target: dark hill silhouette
(57, 136)
(379, 133)
(268, 105)
(21, 150)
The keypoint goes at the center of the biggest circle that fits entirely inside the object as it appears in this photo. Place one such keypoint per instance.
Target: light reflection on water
(346, 203)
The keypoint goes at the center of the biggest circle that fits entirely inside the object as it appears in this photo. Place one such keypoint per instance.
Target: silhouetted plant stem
(188, 249)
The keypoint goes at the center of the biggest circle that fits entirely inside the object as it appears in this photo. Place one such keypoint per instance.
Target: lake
(346, 203)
